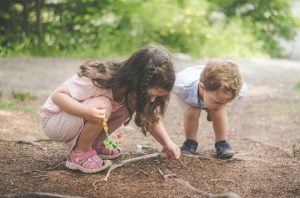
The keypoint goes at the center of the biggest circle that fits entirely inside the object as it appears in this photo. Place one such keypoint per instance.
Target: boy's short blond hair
(222, 75)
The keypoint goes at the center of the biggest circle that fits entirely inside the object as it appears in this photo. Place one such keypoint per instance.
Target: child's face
(214, 100)
(156, 92)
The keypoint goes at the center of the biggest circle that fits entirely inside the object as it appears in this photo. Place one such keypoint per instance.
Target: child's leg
(220, 124)
(116, 120)
(191, 123)
(91, 130)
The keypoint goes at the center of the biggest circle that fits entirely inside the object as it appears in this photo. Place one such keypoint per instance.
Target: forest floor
(263, 128)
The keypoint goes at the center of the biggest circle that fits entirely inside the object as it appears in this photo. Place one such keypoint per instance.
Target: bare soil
(263, 128)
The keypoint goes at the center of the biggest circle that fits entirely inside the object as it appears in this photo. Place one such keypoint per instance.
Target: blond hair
(222, 75)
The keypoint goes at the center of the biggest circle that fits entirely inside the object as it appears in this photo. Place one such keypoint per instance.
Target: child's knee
(217, 115)
(102, 102)
(193, 114)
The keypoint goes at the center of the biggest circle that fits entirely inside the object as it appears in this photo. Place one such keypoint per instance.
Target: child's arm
(160, 134)
(62, 98)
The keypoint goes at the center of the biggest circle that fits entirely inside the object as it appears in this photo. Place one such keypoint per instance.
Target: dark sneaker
(189, 147)
(224, 150)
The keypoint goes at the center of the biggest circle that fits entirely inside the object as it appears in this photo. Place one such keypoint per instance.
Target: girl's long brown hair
(149, 67)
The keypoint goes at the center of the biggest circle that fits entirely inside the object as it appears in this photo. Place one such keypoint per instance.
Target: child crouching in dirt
(208, 88)
(75, 111)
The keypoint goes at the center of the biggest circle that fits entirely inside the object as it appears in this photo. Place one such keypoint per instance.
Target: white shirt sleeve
(243, 92)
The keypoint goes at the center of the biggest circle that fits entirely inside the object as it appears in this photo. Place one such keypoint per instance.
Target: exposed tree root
(196, 190)
(165, 177)
(114, 166)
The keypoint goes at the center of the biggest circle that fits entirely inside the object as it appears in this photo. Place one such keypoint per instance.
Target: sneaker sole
(226, 156)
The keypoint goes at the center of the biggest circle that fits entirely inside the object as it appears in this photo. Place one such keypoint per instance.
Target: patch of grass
(19, 101)
(297, 85)
(16, 106)
(21, 96)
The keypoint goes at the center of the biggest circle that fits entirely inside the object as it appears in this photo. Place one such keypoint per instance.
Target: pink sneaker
(87, 162)
(106, 153)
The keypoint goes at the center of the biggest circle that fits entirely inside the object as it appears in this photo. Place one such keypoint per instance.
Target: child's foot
(106, 153)
(189, 147)
(224, 150)
(87, 162)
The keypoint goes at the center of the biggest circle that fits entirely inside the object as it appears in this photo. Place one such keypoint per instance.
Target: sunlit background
(201, 28)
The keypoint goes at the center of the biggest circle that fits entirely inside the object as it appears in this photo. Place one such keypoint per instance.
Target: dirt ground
(263, 128)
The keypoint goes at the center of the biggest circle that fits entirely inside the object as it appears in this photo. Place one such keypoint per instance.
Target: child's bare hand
(172, 150)
(95, 114)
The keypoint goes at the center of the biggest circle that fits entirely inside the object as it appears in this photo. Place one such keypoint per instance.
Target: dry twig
(196, 190)
(181, 162)
(114, 166)
(166, 176)
(181, 181)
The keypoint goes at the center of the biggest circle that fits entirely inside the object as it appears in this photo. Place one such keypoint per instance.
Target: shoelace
(223, 147)
(193, 147)
(190, 147)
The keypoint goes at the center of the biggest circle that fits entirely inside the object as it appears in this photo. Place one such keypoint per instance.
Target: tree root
(196, 190)
(114, 166)
(165, 177)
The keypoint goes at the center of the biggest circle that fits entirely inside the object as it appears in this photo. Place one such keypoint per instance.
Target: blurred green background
(102, 28)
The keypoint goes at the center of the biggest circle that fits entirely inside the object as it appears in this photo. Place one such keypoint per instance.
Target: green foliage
(267, 20)
(297, 85)
(118, 27)
(21, 96)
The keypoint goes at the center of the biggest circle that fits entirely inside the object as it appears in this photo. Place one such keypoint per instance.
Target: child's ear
(201, 87)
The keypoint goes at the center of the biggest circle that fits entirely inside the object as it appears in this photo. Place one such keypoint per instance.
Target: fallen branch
(203, 157)
(189, 186)
(245, 159)
(166, 176)
(114, 166)
(240, 154)
(196, 190)
(181, 181)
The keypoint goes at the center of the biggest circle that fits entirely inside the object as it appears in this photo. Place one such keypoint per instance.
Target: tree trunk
(25, 13)
(39, 22)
